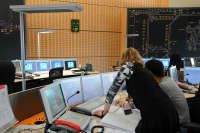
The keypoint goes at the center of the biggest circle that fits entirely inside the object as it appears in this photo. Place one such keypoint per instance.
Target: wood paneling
(102, 35)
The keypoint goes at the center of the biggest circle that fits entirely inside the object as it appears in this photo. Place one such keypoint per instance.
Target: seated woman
(158, 114)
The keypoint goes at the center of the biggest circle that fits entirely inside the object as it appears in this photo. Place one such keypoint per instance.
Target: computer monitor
(70, 86)
(107, 80)
(17, 64)
(69, 64)
(43, 65)
(192, 75)
(92, 86)
(165, 62)
(146, 59)
(57, 63)
(30, 66)
(53, 101)
(173, 73)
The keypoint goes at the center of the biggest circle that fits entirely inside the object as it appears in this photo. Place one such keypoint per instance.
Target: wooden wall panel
(102, 35)
(103, 19)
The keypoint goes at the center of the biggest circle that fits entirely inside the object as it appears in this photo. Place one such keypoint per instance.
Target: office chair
(7, 74)
(88, 67)
(56, 73)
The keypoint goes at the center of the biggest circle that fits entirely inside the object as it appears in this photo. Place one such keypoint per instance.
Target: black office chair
(88, 67)
(7, 74)
(56, 73)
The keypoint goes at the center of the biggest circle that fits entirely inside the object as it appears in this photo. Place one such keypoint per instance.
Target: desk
(187, 95)
(66, 73)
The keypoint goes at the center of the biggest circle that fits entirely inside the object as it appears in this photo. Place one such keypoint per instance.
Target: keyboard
(93, 103)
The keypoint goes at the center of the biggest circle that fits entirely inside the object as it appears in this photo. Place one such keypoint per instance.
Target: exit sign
(75, 23)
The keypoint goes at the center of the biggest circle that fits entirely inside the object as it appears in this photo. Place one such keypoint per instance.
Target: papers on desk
(118, 120)
(7, 118)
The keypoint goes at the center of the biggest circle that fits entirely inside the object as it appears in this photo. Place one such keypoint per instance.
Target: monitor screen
(70, 86)
(107, 80)
(57, 63)
(165, 62)
(69, 64)
(192, 75)
(146, 59)
(92, 86)
(53, 101)
(30, 66)
(43, 65)
(173, 73)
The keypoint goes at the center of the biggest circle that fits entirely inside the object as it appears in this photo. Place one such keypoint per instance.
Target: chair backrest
(56, 73)
(88, 67)
(7, 72)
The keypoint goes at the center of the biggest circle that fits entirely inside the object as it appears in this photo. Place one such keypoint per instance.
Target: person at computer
(158, 114)
(170, 87)
(175, 60)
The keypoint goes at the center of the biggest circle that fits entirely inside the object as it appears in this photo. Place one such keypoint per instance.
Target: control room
(100, 66)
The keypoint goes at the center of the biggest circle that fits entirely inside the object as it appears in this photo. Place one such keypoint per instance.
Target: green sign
(75, 25)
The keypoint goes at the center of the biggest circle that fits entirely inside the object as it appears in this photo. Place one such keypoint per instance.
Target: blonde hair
(131, 55)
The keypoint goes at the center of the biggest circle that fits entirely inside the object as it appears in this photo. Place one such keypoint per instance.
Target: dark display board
(9, 31)
(160, 32)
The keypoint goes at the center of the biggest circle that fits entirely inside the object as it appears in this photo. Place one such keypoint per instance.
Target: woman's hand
(101, 113)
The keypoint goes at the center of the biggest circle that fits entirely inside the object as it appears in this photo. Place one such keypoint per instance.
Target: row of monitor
(97, 88)
(57, 96)
(44, 65)
(193, 62)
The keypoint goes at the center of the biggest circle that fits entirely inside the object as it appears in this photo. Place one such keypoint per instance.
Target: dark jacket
(157, 111)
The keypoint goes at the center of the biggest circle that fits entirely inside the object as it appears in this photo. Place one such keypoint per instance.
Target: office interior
(88, 45)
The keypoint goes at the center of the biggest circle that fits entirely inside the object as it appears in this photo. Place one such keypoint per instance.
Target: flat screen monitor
(92, 86)
(43, 65)
(192, 74)
(107, 80)
(30, 66)
(69, 64)
(57, 63)
(165, 62)
(70, 87)
(146, 59)
(17, 64)
(173, 73)
(53, 101)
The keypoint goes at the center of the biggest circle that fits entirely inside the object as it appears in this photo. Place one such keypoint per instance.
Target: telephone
(64, 126)
(62, 129)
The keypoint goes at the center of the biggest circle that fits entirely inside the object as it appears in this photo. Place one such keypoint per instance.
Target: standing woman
(158, 114)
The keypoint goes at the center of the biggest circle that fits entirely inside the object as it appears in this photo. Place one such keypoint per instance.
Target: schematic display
(159, 32)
